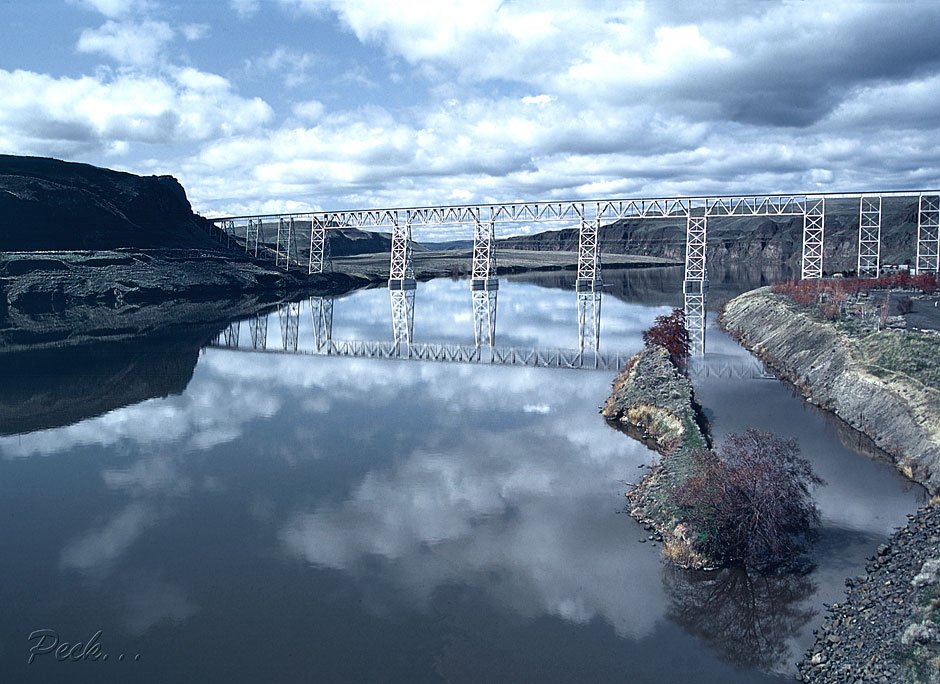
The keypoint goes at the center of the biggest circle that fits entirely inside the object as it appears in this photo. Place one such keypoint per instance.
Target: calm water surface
(306, 518)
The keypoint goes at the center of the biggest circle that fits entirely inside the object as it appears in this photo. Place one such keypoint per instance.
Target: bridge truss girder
(814, 224)
(928, 234)
(869, 237)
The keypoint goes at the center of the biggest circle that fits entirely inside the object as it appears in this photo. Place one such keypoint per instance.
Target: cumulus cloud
(127, 42)
(65, 115)
(113, 8)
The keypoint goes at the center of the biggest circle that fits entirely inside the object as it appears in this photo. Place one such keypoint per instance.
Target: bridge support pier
(589, 262)
(319, 247)
(869, 237)
(230, 334)
(289, 317)
(254, 234)
(401, 273)
(258, 327)
(286, 243)
(814, 223)
(928, 234)
(403, 318)
(695, 284)
(321, 309)
(484, 318)
(483, 270)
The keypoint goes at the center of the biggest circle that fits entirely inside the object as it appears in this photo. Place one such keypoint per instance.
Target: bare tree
(750, 501)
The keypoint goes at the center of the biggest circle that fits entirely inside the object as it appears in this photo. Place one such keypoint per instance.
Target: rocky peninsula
(884, 384)
(652, 401)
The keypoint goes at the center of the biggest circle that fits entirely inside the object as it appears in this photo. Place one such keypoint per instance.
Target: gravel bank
(885, 629)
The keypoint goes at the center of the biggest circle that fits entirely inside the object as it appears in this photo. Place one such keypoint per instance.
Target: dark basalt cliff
(48, 204)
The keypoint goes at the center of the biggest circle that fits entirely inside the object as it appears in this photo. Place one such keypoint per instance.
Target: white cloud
(127, 42)
(43, 114)
(292, 66)
(113, 8)
(245, 8)
(311, 110)
(195, 31)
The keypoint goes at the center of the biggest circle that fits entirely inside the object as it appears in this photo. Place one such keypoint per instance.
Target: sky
(264, 106)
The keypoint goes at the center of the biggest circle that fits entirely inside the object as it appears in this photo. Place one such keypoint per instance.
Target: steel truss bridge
(290, 229)
(484, 350)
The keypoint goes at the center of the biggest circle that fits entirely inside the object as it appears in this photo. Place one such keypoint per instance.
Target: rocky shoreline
(886, 630)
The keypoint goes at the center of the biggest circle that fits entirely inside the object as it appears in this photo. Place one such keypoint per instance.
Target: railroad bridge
(289, 230)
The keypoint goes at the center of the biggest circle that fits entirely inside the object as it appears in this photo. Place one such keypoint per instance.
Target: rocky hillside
(47, 204)
(776, 243)
(839, 372)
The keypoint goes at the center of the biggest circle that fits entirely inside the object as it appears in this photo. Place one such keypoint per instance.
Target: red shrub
(671, 333)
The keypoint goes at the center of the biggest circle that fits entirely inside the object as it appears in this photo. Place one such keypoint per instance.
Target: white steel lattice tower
(928, 234)
(286, 243)
(258, 327)
(589, 265)
(289, 317)
(695, 285)
(814, 223)
(483, 271)
(403, 318)
(589, 320)
(254, 234)
(319, 246)
(484, 317)
(869, 237)
(321, 309)
(401, 271)
(230, 334)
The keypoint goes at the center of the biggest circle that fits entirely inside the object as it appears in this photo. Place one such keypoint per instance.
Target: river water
(289, 517)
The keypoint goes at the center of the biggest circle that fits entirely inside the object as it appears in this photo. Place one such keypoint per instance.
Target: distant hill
(772, 242)
(48, 204)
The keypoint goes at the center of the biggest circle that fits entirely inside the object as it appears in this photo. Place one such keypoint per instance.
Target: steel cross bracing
(289, 317)
(254, 234)
(258, 327)
(483, 271)
(869, 237)
(928, 234)
(696, 229)
(403, 316)
(321, 310)
(589, 264)
(484, 317)
(695, 295)
(286, 248)
(401, 272)
(814, 222)
(319, 247)
(589, 320)
(230, 334)
(589, 215)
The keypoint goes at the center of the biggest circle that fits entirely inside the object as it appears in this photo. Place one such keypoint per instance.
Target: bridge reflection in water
(484, 349)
